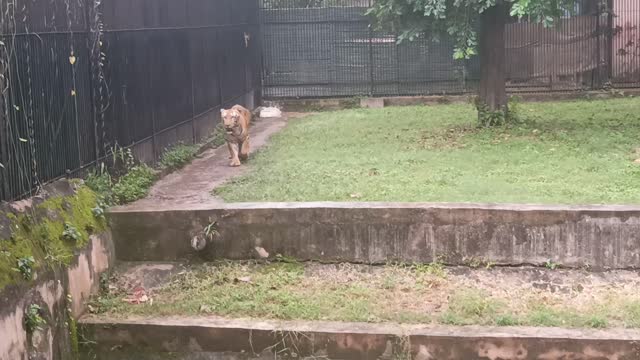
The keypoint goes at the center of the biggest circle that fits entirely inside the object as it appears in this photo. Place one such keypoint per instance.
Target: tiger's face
(230, 119)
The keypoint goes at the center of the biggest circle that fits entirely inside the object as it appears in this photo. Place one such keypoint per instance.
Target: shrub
(134, 184)
(178, 156)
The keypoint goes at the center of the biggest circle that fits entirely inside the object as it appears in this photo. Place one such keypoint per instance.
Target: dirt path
(190, 187)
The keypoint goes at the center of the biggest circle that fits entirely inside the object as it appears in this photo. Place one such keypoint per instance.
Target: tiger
(236, 123)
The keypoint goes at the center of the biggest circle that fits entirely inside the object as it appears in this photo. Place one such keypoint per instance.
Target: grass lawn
(429, 293)
(579, 152)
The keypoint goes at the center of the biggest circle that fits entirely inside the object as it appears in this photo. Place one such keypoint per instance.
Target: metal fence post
(371, 80)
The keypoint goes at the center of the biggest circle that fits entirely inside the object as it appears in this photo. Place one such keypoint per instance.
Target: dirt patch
(451, 138)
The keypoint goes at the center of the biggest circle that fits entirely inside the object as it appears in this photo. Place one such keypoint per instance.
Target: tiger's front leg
(235, 161)
(244, 149)
(230, 150)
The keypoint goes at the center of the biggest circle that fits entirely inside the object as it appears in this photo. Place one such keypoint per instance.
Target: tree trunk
(492, 100)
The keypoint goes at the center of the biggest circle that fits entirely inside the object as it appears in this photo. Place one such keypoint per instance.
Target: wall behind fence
(324, 48)
(80, 77)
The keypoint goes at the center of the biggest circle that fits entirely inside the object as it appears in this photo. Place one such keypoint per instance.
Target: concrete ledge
(356, 340)
(575, 236)
(347, 103)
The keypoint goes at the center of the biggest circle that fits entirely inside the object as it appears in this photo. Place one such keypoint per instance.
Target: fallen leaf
(138, 296)
(73, 92)
(261, 252)
(244, 279)
(23, 139)
(637, 161)
(205, 308)
(356, 196)
(72, 59)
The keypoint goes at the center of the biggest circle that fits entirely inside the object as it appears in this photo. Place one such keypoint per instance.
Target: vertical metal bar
(4, 190)
(218, 72)
(92, 81)
(598, 36)
(372, 89)
(609, 40)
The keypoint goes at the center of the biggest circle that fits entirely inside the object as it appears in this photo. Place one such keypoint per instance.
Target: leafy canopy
(458, 19)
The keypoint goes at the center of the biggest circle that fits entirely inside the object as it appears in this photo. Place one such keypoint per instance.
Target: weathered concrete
(576, 236)
(51, 292)
(357, 340)
(60, 291)
(348, 103)
(372, 103)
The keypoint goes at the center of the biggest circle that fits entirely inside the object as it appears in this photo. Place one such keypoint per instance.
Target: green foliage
(25, 267)
(217, 137)
(134, 184)
(73, 330)
(211, 230)
(47, 242)
(71, 233)
(33, 319)
(178, 156)
(459, 19)
(101, 183)
(488, 117)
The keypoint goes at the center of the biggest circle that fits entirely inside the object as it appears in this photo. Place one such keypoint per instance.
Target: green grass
(565, 152)
(405, 294)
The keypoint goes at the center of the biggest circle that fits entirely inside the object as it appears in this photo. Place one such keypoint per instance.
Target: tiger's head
(230, 119)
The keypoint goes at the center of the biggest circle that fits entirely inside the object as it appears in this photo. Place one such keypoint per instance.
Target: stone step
(239, 308)
(215, 338)
(600, 237)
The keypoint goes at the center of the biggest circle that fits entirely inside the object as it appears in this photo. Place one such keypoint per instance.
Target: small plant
(211, 230)
(100, 182)
(104, 283)
(33, 319)
(98, 212)
(178, 156)
(435, 268)
(122, 156)
(25, 267)
(217, 137)
(71, 233)
(134, 185)
(73, 329)
(550, 265)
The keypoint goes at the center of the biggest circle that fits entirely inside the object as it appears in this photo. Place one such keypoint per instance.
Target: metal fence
(326, 48)
(80, 76)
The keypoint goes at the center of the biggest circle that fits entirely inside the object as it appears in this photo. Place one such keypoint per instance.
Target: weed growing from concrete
(33, 319)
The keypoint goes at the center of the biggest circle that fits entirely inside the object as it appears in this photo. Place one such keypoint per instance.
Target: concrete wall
(596, 236)
(60, 291)
(51, 291)
(211, 338)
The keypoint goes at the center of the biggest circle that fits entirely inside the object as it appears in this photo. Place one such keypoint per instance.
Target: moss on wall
(49, 233)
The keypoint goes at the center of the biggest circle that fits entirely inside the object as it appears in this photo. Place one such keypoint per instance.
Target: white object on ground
(270, 112)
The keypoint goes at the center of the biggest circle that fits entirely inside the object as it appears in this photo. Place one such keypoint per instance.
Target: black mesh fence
(82, 76)
(325, 48)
